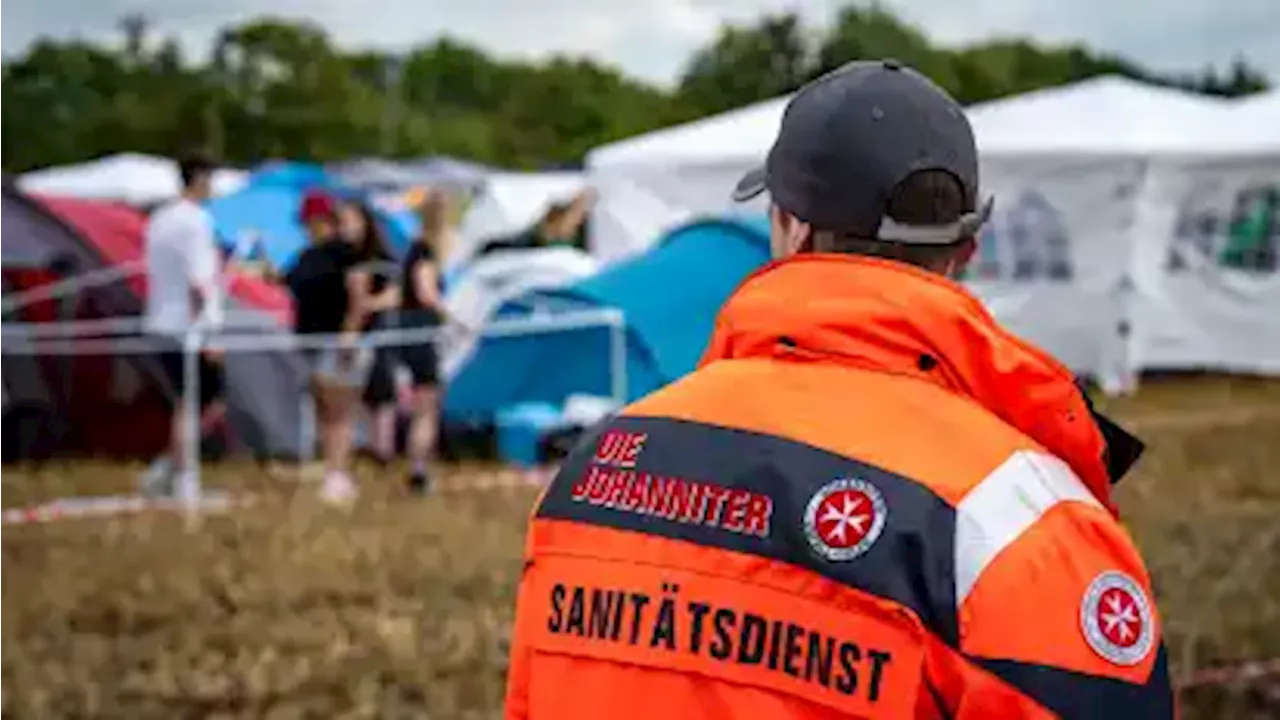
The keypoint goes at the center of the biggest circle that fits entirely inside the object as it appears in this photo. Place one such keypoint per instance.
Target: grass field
(400, 607)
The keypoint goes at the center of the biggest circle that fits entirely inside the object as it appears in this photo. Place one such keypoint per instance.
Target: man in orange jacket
(870, 500)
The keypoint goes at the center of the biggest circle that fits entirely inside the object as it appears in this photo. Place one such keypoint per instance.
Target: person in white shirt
(184, 290)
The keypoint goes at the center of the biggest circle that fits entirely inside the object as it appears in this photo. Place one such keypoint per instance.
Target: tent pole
(191, 409)
(618, 357)
(306, 433)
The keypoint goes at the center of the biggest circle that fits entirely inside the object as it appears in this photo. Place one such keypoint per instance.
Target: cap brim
(751, 185)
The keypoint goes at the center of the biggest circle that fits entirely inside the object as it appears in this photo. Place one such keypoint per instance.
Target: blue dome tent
(284, 173)
(668, 298)
(265, 212)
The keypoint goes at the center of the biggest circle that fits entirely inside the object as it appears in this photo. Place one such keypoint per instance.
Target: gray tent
(390, 175)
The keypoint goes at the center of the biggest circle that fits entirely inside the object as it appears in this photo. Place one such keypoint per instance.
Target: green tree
(747, 64)
(280, 88)
(558, 112)
(871, 33)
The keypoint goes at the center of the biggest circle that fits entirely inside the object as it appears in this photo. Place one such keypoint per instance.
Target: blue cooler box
(520, 429)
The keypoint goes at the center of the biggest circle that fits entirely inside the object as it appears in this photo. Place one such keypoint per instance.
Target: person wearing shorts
(322, 284)
(422, 306)
(372, 284)
(184, 289)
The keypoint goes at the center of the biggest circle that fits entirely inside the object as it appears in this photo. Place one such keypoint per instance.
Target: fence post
(618, 357)
(192, 342)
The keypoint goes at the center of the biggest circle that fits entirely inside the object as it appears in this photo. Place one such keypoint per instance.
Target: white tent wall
(1193, 308)
(638, 205)
(657, 181)
(652, 182)
(1103, 167)
(1052, 264)
(1053, 261)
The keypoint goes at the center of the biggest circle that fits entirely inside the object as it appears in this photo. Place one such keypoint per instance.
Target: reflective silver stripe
(1004, 505)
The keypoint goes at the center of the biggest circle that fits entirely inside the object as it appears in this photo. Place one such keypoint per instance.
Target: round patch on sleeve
(1116, 619)
(845, 518)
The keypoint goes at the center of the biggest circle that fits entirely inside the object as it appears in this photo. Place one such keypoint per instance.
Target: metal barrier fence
(251, 332)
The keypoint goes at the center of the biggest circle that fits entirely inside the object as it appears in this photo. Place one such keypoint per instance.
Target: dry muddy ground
(400, 607)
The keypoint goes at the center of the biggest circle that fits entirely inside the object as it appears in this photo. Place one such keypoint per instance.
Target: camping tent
(131, 178)
(114, 402)
(508, 203)
(263, 215)
(373, 174)
(668, 296)
(481, 286)
(447, 172)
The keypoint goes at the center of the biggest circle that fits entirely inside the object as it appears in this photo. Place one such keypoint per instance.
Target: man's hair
(193, 166)
(927, 197)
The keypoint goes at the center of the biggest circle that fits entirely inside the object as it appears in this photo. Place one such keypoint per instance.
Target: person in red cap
(322, 284)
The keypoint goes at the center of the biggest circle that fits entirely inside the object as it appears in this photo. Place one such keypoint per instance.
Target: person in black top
(373, 287)
(326, 297)
(422, 306)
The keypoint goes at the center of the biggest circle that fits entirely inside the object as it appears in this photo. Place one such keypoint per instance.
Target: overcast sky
(652, 39)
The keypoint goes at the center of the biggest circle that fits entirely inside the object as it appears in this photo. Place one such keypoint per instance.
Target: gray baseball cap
(851, 136)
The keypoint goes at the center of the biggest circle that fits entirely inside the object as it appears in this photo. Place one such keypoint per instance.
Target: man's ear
(964, 253)
(799, 236)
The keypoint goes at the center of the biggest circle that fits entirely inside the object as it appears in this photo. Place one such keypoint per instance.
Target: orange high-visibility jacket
(869, 501)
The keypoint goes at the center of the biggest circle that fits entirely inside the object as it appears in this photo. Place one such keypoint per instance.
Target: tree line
(274, 88)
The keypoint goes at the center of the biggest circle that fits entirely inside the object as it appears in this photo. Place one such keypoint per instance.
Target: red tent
(103, 404)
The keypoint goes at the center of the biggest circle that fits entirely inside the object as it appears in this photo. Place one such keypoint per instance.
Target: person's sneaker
(338, 488)
(419, 482)
(157, 481)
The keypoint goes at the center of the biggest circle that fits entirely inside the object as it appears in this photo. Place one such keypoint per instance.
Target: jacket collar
(891, 317)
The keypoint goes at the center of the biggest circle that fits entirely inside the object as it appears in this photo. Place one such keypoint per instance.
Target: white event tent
(1097, 184)
(132, 178)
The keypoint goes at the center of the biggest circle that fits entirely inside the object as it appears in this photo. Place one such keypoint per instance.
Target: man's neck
(193, 196)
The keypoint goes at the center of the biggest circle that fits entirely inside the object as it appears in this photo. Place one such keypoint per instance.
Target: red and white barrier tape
(71, 508)
(505, 479)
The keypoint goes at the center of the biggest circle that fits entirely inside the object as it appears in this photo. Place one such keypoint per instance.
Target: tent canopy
(287, 173)
(443, 171)
(1109, 115)
(132, 178)
(509, 203)
(1250, 126)
(669, 298)
(373, 174)
(746, 132)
